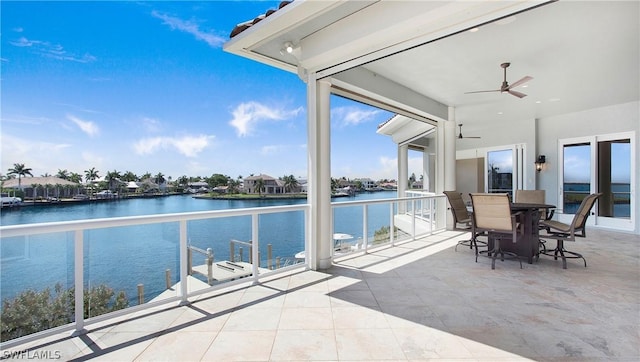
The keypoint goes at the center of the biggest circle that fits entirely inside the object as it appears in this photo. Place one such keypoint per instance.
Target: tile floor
(419, 301)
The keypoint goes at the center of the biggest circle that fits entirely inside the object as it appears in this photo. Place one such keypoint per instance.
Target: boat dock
(225, 270)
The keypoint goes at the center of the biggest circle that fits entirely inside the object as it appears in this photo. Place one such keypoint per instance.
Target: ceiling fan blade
(484, 91)
(520, 82)
(516, 93)
(472, 137)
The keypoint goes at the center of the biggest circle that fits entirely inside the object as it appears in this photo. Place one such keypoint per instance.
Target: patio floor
(417, 301)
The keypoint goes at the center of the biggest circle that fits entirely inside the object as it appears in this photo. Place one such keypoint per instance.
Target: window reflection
(614, 178)
(577, 176)
(500, 171)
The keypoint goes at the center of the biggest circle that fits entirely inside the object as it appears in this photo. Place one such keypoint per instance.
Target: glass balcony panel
(281, 239)
(37, 283)
(144, 254)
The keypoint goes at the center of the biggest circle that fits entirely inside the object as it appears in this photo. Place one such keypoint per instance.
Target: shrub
(32, 311)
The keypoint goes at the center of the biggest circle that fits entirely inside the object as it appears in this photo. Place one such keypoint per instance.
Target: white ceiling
(580, 57)
(581, 54)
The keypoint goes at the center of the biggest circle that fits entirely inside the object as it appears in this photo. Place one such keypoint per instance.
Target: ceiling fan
(460, 136)
(506, 87)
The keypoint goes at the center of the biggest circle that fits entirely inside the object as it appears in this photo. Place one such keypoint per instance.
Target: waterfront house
(43, 187)
(442, 65)
(270, 185)
(418, 59)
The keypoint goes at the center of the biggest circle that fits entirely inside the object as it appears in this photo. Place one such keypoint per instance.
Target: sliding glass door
(504, 169)
(601, 164)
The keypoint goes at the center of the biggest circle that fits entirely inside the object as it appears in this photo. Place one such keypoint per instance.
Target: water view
(619, 205)
(125, 257)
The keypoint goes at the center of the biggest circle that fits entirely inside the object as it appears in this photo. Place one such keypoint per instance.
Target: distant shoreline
(295, 196)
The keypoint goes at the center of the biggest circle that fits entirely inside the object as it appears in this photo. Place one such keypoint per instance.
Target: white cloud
(247, 115)
(189, 146)
(37, 155)
(272, 149)
(353, 116)
(91, 159)
(55, 51)
(191, 28)
(151, 124)
(88, 127)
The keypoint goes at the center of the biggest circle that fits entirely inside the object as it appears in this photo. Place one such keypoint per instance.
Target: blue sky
(146, 87)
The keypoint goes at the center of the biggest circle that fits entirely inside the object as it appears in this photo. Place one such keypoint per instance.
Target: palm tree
(35, 187)
(233, 186)
(63, 174)
(19, 170)
(129, 176)
(91, 174)
(334, 184)
(259, 185)
(159, 178)
(290, 183)
(183, 180)
(113, 179)
(75, 177)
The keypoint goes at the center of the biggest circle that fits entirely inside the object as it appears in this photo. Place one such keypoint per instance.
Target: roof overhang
(326, 42)
(417, 59)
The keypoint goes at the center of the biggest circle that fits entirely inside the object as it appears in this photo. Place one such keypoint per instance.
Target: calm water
(621, 195)
(128, 256)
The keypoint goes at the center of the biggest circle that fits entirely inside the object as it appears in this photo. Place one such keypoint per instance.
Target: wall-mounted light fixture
(539, 162)
(287, 48)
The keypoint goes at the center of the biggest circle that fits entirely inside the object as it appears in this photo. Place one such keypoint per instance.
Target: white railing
(79, 227)
(419, 208)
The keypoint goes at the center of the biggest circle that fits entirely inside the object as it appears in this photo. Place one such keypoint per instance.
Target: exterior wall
(473, 180)
(541, 136)
(503, 133)
(605, 120)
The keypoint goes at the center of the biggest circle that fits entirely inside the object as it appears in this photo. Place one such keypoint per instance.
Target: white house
(530, 78)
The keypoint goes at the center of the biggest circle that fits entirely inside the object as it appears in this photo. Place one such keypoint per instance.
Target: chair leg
(560, 250)
(497, 249)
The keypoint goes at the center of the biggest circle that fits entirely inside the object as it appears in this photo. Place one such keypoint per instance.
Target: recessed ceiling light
(499, 112)
(538, 102)
(473, 30)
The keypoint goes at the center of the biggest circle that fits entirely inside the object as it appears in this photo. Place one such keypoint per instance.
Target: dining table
(528, 246)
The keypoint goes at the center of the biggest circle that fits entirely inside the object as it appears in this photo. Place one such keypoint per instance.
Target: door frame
(608, 222)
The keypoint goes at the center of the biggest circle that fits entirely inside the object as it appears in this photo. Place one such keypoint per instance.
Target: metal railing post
(392, 238)
(209, 265)
(183, 263)
(255, 246)
(365, 221)
(79, 281)
(413, 219)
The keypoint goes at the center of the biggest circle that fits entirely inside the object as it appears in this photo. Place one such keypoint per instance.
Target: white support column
(426, 173)
(319, 154)
(450, 151)
(403, 174)
(447, 160)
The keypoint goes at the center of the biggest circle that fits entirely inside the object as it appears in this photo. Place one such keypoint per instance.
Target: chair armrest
(549, 214)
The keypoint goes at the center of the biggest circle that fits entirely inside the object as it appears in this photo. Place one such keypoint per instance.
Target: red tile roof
(247, 24)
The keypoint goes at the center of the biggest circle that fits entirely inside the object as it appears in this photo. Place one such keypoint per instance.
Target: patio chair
(534, 197)
(462, 220)
(567, 232)
(492, 214)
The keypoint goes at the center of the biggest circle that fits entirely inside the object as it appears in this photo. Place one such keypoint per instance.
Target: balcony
(415, 298)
